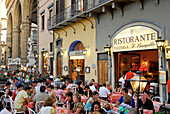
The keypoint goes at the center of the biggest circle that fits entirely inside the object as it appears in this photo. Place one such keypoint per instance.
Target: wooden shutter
(102, 71)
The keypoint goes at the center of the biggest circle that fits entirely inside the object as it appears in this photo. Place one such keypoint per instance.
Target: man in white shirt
(122, 80)
(103, 92)
(92, 87)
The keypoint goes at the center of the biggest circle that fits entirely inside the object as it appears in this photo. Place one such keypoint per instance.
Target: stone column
(15, 43)
(25, 34)
(8, 42)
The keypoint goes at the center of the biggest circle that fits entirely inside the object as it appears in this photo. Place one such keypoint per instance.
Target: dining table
(157, 105)
(114, 97)
(61, 110)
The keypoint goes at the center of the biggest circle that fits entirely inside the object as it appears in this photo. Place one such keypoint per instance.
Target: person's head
(8, 84)
(127, 99)
(80, 82)
(96, 107)
(95, 95)
(63, 87)
(49, 101)
(92, 81)
(123, 76)
(69, 96)
(67, 82)
(143, 97)
(50, 87)
(42, 89)
(34, 83)
(117, 85)
(86, 87)
(76, 98)
(124, 91)
(104, 84)
(107, 107)
(16, 80)
(107, 83)
(27, 89)
(19, 87)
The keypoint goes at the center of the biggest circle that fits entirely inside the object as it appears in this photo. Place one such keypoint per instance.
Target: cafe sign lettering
(135, 38)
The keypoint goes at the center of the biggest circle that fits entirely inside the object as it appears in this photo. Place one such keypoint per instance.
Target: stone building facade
(21, 14)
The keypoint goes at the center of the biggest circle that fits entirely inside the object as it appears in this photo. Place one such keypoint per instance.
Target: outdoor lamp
(107, 48)
(138, 82)
(35, 66)
(84, 51)
(160, 43)
(62, 53)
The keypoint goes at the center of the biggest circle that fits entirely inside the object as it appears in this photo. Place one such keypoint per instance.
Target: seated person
(40, 96)
(94, 97)
(48, 106)
(146, 104)
(125, 107)
(125, 93)
(87, 92)
(117, 89)
(20, 99)
(19, 88)
(96, 108)
(69, 102)
(78, 105)
(108, 108)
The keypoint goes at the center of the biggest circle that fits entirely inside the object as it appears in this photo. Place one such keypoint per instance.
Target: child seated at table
(108, 108)
(48, 107)
(125, 107)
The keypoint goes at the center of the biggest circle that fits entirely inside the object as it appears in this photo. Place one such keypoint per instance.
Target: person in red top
(129, 75)
(19, 88)
(168, 85)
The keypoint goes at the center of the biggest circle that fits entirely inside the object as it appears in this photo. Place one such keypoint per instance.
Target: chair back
(38, 105)
(157, 98)
(31, 111)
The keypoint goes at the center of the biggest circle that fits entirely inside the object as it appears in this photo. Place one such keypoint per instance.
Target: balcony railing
(79, 7)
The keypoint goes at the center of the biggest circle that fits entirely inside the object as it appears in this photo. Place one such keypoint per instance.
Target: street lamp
(138, 84)
(161, 45)
(62, 52)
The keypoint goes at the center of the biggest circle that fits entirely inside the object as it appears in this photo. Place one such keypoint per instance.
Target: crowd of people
(68, 94)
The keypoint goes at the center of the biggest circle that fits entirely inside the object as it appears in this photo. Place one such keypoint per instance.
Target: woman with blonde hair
(48, 107)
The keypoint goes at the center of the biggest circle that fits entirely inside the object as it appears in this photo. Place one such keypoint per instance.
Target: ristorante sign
(135, 38)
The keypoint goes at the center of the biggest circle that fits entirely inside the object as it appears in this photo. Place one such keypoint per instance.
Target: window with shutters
(51, 46)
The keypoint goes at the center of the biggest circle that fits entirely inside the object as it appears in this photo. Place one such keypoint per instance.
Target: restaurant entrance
(144, 61)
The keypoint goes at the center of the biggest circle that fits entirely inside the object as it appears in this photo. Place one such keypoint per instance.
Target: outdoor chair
(157, 98)
(85, 108)
(14, 111)
(38, 105)
(31, 111)
(5, 101)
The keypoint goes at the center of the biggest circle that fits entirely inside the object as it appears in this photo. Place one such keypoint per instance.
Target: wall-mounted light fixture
(87, 69)
(84, 51)
(107, 49)
(62, 52)
(160, 43)
(65, 68)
